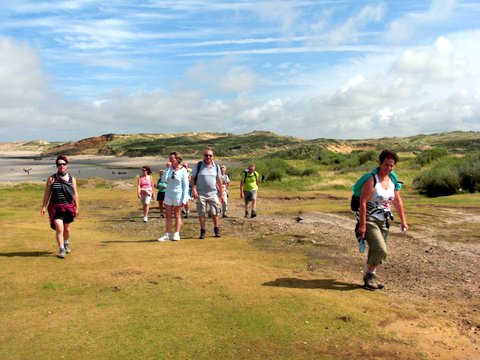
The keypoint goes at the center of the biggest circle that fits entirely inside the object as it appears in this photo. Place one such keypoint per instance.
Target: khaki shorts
(210, 201)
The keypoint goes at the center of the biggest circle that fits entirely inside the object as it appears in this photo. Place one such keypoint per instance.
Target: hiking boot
(202, 234)
(217, 232)
(66, 246)
(379, 284)
(254, 214)
(61, 253)
(225, 216)
(165, 237)
(176, 236)
(370, 282)
(246, 214)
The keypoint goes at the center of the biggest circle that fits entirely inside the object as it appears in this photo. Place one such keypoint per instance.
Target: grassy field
(123, 295)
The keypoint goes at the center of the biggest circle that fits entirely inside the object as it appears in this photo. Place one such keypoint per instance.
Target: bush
(308, 172)
(427, 156)
(275, 176)
(450, 176)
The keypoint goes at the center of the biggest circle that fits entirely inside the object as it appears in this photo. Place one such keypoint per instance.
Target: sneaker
(202, 234)
(254, 214)
(217, 232)
(165, 237)
(66, 246)
(145, 219)
(61, 253)
(176, 236)
(379, 284)
(370, 282)
(246, 214)
(185, 216)
(225, 215)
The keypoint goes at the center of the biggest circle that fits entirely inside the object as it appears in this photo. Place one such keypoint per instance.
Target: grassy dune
(123, 295)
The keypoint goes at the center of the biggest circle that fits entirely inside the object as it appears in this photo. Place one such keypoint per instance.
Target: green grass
(123, 295)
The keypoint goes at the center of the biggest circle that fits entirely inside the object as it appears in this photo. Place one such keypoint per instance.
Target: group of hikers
(208, 183)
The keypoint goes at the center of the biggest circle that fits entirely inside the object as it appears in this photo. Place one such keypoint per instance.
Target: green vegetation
(252, 294)
(450, 176)
(123, 295)
(427, 156)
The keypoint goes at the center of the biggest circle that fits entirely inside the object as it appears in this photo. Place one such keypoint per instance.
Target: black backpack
(355, 200)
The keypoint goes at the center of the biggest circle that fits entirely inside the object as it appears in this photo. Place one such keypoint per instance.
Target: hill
(255, 144)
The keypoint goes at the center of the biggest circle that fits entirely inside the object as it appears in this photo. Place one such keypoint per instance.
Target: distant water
(36, 169)
(14, 164)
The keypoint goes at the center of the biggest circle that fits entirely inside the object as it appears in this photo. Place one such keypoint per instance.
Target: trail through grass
(123, 295)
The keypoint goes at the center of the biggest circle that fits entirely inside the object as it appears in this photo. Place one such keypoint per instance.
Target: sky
(341, 69)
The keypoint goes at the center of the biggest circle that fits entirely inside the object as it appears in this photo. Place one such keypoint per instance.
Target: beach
(22, 166)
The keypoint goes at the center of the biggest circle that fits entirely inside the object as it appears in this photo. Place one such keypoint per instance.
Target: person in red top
(61, 199)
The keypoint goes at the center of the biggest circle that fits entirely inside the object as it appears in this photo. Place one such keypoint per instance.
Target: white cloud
(404, 28)
(22, 80)
(347, 32)
(224, 75)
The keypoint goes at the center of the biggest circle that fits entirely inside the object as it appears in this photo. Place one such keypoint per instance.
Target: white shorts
(145, 200)
(171, 201)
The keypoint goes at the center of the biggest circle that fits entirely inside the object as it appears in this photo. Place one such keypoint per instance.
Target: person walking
(225, 184)
(176, 195)
(374, 215)
(145, 190)
(249, 188)
(206, 186)
(61, 201)
(161, 187)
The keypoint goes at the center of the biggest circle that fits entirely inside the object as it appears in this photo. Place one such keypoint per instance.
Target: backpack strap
(245, 174)
(199, 166)
(197, 170)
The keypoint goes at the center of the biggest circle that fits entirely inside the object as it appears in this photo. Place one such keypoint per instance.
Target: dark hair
(388, 154)
(177, 155)
(61, 157)
(149, 171)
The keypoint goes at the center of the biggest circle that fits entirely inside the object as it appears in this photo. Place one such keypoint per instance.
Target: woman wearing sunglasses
(145, 190)
(176, 195)
(61, 200)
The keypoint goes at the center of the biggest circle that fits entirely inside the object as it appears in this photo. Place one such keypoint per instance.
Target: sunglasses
(61, 164)
(144, 169)
(208, 155)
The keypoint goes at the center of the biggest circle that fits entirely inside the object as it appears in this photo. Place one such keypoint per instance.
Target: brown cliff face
(93, 145)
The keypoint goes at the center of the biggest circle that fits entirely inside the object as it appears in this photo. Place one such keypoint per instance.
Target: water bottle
(361, 244)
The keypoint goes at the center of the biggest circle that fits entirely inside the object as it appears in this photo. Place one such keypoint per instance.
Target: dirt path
(437, 277)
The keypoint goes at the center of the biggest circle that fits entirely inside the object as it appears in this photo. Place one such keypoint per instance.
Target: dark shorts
(161, 196)
(66, 216)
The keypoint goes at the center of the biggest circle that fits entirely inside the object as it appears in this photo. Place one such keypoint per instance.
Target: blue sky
(314, 69)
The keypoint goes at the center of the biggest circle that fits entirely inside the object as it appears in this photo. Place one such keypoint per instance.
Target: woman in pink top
(145, 190)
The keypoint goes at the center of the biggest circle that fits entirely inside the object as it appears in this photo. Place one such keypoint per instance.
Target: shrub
(427, 156)
(275, 175)
(308, 172)
(450, 176)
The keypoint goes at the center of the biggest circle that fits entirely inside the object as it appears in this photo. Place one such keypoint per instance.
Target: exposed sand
(16, 166)
(26, 166)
